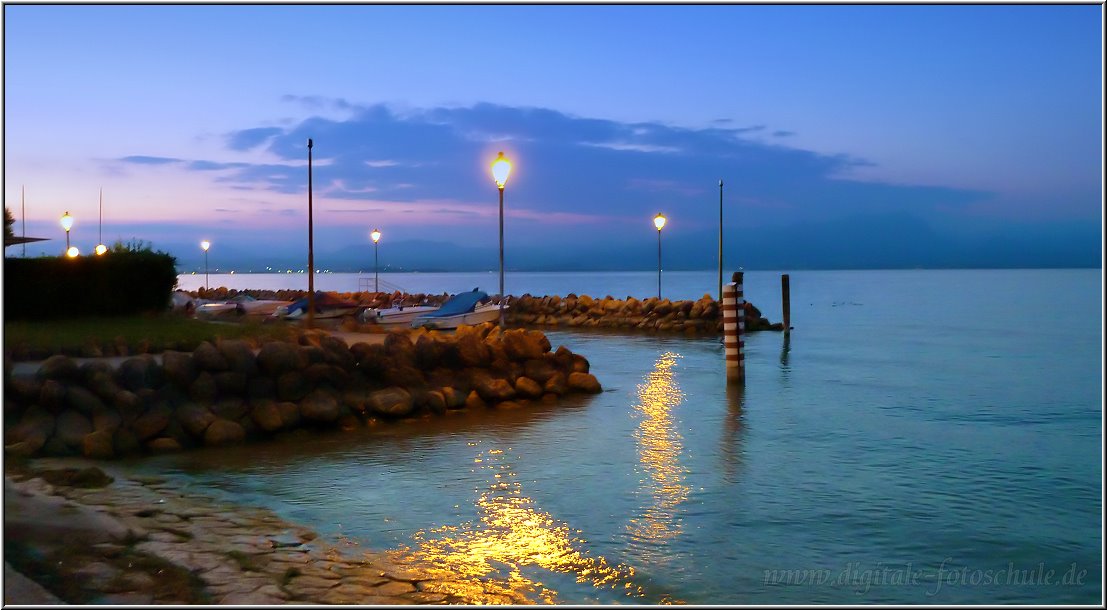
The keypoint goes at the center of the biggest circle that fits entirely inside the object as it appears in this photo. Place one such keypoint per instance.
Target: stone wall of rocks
(700, 316)
(652, 314)
(233, 391)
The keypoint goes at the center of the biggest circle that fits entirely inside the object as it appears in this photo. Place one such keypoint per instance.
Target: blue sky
(954, 126)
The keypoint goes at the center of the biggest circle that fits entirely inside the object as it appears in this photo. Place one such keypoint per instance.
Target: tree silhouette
(9, 220)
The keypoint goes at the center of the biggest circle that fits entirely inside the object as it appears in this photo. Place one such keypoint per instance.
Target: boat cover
(462, 302)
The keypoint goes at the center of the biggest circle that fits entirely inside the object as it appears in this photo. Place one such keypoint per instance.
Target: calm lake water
(923, 437)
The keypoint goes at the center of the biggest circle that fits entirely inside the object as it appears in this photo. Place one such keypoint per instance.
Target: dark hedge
(118, 283)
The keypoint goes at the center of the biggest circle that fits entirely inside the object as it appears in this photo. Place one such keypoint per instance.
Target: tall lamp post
(659, 222)
(720, 240)
(67, 224)
(204, 245)
(501, 167)
(101, 248)
(376, 235)
(311, 252)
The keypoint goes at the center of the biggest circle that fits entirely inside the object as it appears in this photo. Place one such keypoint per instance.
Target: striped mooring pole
(734, 325)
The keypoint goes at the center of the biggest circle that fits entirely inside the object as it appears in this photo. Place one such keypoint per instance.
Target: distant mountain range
(897, 242)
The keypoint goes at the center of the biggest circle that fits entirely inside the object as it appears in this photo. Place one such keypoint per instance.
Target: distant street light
(67, 224)
(101, 248)
(501, 168)
(205, 245)
(311, 251)
(376, 235)
(659, 222)
(72, 252)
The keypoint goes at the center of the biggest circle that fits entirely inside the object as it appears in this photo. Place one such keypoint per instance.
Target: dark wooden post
(785, 299)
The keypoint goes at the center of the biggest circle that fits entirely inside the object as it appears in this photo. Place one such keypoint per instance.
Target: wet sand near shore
(141, 540)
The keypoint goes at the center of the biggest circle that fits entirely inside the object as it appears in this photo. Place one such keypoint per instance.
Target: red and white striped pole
(734, 325)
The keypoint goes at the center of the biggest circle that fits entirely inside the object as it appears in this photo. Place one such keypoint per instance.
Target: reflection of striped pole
(734, 324)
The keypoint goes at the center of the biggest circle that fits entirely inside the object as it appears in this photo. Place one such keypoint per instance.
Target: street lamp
(720, 240)
(311, 252)
(101, 248)
(67, 224)
(72, 252)
(205, 245)
(501, 167)
(659, 222)
(376, 235)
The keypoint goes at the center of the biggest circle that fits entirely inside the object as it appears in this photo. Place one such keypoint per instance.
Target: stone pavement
(140, 540)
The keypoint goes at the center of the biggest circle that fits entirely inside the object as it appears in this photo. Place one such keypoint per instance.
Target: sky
(845, 136)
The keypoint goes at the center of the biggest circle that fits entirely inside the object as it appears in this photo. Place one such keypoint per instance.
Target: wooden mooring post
(785, 301)
(734, 326)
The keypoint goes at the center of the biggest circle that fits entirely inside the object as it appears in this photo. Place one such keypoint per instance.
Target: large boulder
(83, 401)
(391, 402)
(278, 357)
(292, 386)
(194, 418)
(428, 352)
(224, 432)
(106, 419)
(266, 415)
(471, 349)
(231, 408)
(290, 414)
(540, 369)
(405, 376)
(261, 387)
(140, 372)
(240, 357)
(59, 367)
(71, 428)
(521, 344)
(584, 382)
(36, 422)
(528, 388)
(204, 388)
(179, 368)
(230, 383)
(152, 422)
(320, 406)
(208, 358)
(557, 384)
(98, 444)
(52, 395)
(399, 348)
(493, 389)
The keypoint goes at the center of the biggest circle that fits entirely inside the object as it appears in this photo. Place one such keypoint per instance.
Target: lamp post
(376, 235)
(311, 252)
(501, 167)
(659, 222)
(67, 224)
(72, 252)
(101, 248)
(205, 245)
(720, 240)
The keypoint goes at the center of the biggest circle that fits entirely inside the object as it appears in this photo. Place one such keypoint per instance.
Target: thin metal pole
(501, 257)
(101, 216)
(376, 272)
(206, 287)
(659, 264)
(720, 240)
(311, 251)
(23, 206)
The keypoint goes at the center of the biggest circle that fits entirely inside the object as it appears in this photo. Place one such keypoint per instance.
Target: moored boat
(462, 308)
(393, 316)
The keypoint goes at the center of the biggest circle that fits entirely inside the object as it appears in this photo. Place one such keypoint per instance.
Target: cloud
(566, 168)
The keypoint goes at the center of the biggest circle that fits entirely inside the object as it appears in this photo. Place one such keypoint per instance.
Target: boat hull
(394, 316)
(480, 315)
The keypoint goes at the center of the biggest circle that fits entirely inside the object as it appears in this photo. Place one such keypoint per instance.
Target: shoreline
(144, 540)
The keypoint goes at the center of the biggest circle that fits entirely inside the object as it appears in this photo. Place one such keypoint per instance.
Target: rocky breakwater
(230, 391)
(701, 316)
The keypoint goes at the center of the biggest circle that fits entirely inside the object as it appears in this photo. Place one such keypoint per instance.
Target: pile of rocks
(231, 391)
(652, 314)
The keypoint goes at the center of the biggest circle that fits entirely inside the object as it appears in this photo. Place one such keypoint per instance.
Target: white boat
(326, 306)
(217, 308)
(462, 308)
(392, 316)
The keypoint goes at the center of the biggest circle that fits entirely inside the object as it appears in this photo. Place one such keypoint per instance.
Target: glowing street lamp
(67, 224)
(205, 245)
(376, 235)
(72, 252)
(501, 168)
(101, 248)
(659, 222)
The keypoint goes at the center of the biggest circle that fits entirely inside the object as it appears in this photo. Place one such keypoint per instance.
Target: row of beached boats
(473, 307)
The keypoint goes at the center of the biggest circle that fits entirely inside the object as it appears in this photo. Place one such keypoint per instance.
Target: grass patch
(138, 334)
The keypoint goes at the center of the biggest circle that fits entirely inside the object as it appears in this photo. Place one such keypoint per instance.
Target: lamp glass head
(501, 167)
(67, 222)
(100, 249)
(205, 245)
(375, 235)
(659, 221)
(72, 252)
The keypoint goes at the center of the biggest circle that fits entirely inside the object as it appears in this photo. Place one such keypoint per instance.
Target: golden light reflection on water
(659, 449)
(511, 539)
